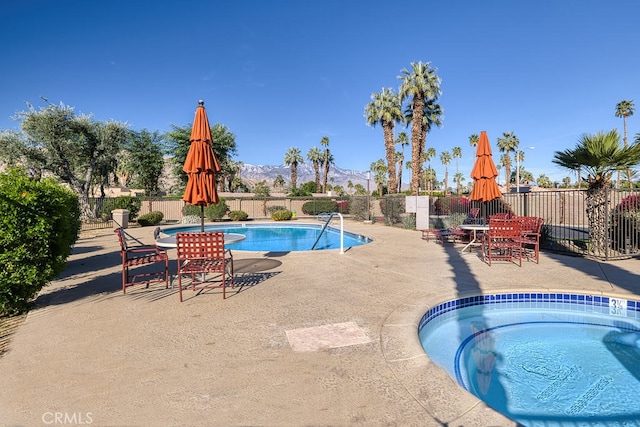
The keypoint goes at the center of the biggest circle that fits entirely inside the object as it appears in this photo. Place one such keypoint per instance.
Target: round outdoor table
(475, 228)
(170, 241)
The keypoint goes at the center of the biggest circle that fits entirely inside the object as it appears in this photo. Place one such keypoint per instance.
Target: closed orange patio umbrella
(201, 165)
(484, 173)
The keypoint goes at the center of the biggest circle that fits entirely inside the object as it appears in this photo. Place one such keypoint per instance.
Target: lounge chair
(502, 242)
(202, 253)
(139, 254)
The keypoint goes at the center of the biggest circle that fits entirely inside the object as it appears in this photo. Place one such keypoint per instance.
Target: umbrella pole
(202, 218)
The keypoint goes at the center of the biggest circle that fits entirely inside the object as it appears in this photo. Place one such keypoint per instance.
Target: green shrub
(315, 207)
(216, 212)
(282, 215)
(132, 204)
(272, 209)
(151, 218)
(392, 207)
(238, 215)
(358, 208)
(191, 210)
(212, 212)
(39, 223)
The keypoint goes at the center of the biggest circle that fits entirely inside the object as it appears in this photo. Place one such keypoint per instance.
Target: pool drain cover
(326, 336)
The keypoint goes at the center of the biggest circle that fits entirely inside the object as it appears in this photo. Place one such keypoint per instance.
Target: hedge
(39, 223)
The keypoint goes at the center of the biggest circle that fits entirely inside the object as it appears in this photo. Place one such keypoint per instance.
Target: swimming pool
(272, 237)
(542, 358)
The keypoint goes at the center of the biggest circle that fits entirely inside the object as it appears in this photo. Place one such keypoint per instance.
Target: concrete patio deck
(307, 339)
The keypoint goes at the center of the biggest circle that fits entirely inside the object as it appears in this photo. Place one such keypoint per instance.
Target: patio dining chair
(530, 236)
(135, 254)
(502, 242)
(202, 253)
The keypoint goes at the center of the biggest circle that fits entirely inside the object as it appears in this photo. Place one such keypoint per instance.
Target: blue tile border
(633, 307)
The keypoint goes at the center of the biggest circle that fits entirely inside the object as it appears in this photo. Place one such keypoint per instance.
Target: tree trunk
(597, 211)
(390, 149)
(416, 144)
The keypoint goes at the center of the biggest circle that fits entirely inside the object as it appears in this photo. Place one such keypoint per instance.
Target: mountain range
(337, 176)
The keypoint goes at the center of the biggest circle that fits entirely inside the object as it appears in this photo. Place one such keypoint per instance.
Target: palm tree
(385, 108)
(291, 158)
(379, 170)
(625, 109)
(445, 159)
(327, 159)
(458, 178)
(456, 153)
(422, 86)
(473, 139)
(509, 142)
(314, 156)
(543, 181)
(278, 182)
(429, 175)
(403, 140)
(518, 156)
(599, 155)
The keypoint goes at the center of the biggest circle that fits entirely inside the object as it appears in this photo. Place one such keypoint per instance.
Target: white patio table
(475, 228)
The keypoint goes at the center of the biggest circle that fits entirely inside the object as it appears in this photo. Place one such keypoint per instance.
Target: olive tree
(76, 149)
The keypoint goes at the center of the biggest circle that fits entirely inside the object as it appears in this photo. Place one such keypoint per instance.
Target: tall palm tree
(625, 109)
(315, 156)
(518, 156)
(445, 159)
(403, 140)
(278, 182)
(385, 109)
(379, 170)
(456, 153)
(429, 176)
(473, 139)
(328, 161)
(421, 85)
(458, 178)
(292, 158)
(325, 143)
(506, 144)
(599, 155)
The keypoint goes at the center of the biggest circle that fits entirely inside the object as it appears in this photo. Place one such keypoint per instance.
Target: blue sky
(283, 74)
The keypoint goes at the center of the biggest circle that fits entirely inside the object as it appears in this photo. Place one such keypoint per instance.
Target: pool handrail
(329, 217)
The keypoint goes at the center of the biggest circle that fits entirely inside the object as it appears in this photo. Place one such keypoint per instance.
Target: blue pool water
(560, 359)
(281, 238)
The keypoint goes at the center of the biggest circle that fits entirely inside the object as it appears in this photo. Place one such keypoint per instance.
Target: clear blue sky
(284, 74)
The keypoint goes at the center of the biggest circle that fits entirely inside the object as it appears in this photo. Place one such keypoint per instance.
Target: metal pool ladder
(327, 217)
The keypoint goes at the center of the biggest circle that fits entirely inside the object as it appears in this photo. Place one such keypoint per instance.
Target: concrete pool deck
(316, 338)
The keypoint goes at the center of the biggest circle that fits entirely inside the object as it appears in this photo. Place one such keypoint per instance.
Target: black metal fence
(566, 226)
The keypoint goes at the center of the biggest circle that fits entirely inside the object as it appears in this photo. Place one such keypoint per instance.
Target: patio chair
(139, 254)
(472, 216)
(530, 236)
(502, 242)
(201, 253)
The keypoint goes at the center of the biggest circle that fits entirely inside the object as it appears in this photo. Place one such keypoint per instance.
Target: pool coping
(448, 403)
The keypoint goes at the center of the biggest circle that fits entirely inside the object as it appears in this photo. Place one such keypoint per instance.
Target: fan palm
(507, 143)
(385, 109)
(445, 159)
(327, 160)
(403, 140)
(422, 86)
(292, 158)
(315, 156)
(599, 155)
(625, 109)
